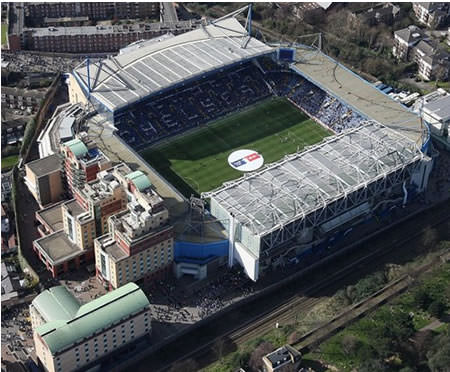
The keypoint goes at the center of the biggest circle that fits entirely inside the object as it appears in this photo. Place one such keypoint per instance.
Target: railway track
(301, 300)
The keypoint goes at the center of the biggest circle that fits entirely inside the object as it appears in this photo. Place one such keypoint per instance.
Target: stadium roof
(72, 325)
(304, 182)
(358, 93)
(119, 81)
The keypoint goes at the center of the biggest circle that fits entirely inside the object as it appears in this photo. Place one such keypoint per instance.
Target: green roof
(140, 180)
(93, 316)
(77, 147)
(56, 303)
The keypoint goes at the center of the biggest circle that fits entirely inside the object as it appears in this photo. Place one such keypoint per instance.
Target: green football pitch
(197, 162)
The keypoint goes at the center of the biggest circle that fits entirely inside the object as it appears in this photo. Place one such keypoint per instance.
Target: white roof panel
(129, 77)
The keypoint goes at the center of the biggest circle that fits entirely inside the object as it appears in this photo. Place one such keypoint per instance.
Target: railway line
(295, 298)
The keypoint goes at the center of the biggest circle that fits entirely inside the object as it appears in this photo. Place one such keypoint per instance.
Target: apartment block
(22, 99)
(97, 39)
(432, 14)
(92, 10)
(68, 229)
(43, 178)
(69, 336)
(139, 245)
(82, 160)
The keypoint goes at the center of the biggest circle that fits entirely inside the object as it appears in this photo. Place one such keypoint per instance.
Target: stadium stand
(226, 91)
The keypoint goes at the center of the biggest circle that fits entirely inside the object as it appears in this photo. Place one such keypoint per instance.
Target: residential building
(103, 197)
(385, 13)
(6, 186)
(11, 288)
(411, 44)
(82, 160)
(405, 39)
(286, 358)
(306, 11)
(92, 10)
(432, 14)
(22, 99)
(68, 229)
(139, 245)
(72, 246)
(13, 130)
(43, 178)
(97, 39)
(69, 336)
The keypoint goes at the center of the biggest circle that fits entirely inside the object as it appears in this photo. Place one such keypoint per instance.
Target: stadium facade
(376, 160)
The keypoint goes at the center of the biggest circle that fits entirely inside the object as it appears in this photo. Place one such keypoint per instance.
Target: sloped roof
(56, 303)
(77, 147)
(119, 81)
(410, 33)
(93, 316)
(140, 180)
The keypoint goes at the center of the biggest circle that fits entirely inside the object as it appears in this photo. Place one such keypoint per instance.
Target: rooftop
(74, 208)
(44, 166)
(282, 355)
(303, 182)
(119, 81)
(440, 108)
(102, 187)
(52, 216)
(102, 29)
(56, 303)
(140, 180)
(410, 34)
(110, 246)
(358, 93)
(57, 247)
(60, 333)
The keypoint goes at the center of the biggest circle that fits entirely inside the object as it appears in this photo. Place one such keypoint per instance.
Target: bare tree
(218, 347)
(262, 349)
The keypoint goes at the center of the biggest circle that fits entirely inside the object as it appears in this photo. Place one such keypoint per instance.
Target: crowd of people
(190, 305)
(191, 105)
(212, 97)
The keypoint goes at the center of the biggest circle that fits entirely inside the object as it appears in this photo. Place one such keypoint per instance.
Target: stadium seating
(212, 97)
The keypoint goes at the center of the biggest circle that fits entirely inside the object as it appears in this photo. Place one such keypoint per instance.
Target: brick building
(43, 178)
(82, 160)
(139, 246)
(97, 39)
(92, 10)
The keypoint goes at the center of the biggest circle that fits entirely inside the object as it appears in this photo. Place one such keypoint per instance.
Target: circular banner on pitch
(245, 160)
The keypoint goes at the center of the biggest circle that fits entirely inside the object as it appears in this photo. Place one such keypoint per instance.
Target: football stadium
(336, 150)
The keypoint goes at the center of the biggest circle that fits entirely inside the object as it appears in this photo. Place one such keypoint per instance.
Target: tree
(218, 347)
(436, 308)
(350, 344)
(255, 362)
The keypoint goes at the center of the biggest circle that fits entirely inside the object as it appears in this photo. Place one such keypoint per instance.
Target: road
(168, 12)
